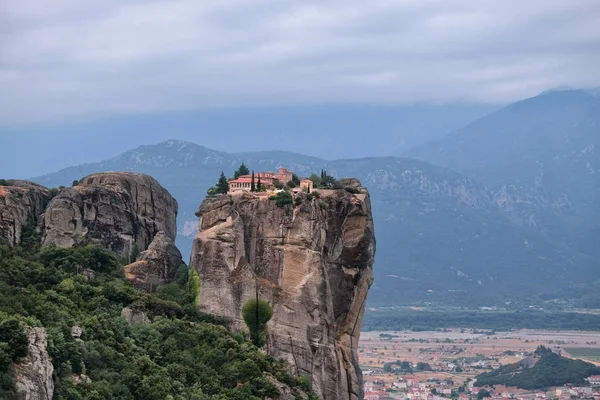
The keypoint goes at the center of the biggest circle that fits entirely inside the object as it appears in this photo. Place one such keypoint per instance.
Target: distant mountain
(540, 158)
(441, 237)
(326, 131)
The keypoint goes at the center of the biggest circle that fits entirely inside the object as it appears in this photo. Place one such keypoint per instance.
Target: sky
(66, 60)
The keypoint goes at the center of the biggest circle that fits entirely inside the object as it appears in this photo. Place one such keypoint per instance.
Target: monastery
(268, 181)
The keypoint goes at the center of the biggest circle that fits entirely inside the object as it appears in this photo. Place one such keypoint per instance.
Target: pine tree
(252, 187)
(242, 170)
(222, 184)
(258, 186)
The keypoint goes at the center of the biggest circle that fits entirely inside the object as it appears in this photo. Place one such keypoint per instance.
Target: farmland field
(587, 353)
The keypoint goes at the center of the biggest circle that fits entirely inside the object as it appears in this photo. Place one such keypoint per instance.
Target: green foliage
(422, 366)
(282, 199)
(182, 354)
(13, 336)
(193, 285)
(242, 170)
(549, 370)
(259, 187)
(328, 181)
(483, 393)
(5, 182)
(315, 180)
(252, 185)
(75, 183)
(212, 191)
(222, 185)
(296, 180)
(291, 184)
(352, 190)
(256, 314)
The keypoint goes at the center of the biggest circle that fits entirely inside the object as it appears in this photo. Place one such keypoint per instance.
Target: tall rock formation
(21, 203)
(122, 211)
(33, 373)
(312, 260)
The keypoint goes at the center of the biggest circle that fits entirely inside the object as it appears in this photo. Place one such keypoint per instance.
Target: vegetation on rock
(282, 199)
(181, 354)
(550, 369)
(257, 313)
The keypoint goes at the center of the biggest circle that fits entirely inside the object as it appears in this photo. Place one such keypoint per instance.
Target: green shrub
(282, 199)
(6, 182)
(193, 285)
(256, 314)
(352, 190)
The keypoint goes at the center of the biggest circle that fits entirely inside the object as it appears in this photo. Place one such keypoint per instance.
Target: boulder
(155, 266)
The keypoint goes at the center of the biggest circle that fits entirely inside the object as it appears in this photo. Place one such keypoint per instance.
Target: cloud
(71, 59)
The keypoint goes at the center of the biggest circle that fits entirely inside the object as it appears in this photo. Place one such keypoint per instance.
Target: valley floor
(406, 364)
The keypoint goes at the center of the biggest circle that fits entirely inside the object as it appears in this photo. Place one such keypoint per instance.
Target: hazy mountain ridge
(539, 158)
(327, 131)
(441, 235)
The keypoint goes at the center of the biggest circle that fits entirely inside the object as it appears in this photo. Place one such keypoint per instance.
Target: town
(443, 364)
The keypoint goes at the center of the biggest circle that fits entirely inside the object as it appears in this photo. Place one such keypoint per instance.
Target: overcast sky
(69, 59)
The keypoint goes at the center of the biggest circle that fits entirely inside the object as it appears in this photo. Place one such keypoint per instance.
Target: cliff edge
(312, 260)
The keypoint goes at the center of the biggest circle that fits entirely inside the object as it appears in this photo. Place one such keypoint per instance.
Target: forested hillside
(78, 296)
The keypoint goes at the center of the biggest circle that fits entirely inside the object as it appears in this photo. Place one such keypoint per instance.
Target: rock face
(33, 374)
(21, 203)
(121, 211)
(156, 265)
(311, 260)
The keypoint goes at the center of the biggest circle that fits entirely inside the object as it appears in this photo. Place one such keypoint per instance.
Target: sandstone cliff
(312, 260)
(21, 203)
(121, 211)
(33, 373)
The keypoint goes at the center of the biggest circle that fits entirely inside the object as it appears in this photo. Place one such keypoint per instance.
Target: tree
(295, 179)
(75, 183)
(422, 366)
(258, 185)
(242, 170)
(222, 184)
(315, 180)
(256, 313)
(252, 187)
(193, 285)
(483, 393)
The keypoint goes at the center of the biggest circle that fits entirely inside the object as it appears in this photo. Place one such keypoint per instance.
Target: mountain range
(540, 159)
(506, 220)
(326, 131)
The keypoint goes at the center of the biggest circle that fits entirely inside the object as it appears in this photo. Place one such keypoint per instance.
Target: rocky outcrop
(21, 203)
(312, 260)
(33, 373)
(121, 211)
(156, 265)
